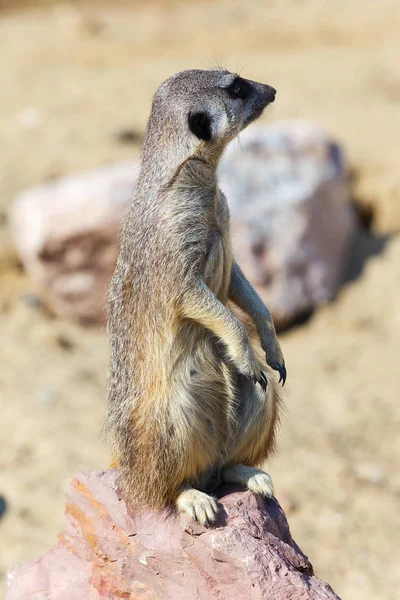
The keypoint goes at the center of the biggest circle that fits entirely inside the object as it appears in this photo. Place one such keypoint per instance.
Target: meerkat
(192, 397)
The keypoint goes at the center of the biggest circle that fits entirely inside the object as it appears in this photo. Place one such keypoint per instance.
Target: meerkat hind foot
(257, 481)
(198, 505)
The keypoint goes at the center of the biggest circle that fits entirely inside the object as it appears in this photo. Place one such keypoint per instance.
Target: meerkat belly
(203, 399)
(203, 396)
(207, 398)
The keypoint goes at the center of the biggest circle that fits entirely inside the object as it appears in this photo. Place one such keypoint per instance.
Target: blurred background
(76, 81)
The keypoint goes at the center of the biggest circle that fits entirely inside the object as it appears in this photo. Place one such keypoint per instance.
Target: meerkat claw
(281, 368)
(282, 373)
(262, 380)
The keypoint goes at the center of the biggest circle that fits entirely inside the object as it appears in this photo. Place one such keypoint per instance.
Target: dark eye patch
(200, 125)
(239, 89)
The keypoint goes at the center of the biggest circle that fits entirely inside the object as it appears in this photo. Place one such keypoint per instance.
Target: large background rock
(67, 235)
(291, 223)
(105, 551)
(291, 218)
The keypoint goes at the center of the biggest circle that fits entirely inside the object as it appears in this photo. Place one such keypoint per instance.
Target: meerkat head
(201, 111)
(225, 105)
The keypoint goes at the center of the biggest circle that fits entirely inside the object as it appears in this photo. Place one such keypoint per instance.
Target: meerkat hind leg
(198, 505)
(255, 480)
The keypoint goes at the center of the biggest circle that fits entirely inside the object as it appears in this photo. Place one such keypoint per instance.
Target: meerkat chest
(218, 262)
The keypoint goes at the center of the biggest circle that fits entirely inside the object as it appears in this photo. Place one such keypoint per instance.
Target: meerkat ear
(200, 125)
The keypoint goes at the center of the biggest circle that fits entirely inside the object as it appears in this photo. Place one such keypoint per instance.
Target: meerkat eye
(239, 89)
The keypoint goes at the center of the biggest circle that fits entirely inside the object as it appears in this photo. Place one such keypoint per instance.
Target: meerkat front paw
(274, 355)
(258, 377)
(281, 368)
(247, 366)
(198, 505)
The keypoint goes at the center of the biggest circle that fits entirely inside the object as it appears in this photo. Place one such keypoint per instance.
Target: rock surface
(105, 551)
(291, 218)
(67, 233)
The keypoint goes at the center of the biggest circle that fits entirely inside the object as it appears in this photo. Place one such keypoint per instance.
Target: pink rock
(67, 233)
(291, 217)
(106, 551)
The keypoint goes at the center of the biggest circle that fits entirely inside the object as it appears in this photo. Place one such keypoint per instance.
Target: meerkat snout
(263, 96)
(270, 93)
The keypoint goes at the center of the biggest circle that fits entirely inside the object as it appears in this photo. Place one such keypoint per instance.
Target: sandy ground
(71, 80)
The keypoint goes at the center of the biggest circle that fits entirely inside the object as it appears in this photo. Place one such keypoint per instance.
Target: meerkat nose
(271, 93)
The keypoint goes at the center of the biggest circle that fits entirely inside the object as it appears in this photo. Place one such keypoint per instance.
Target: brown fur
(183, 397)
